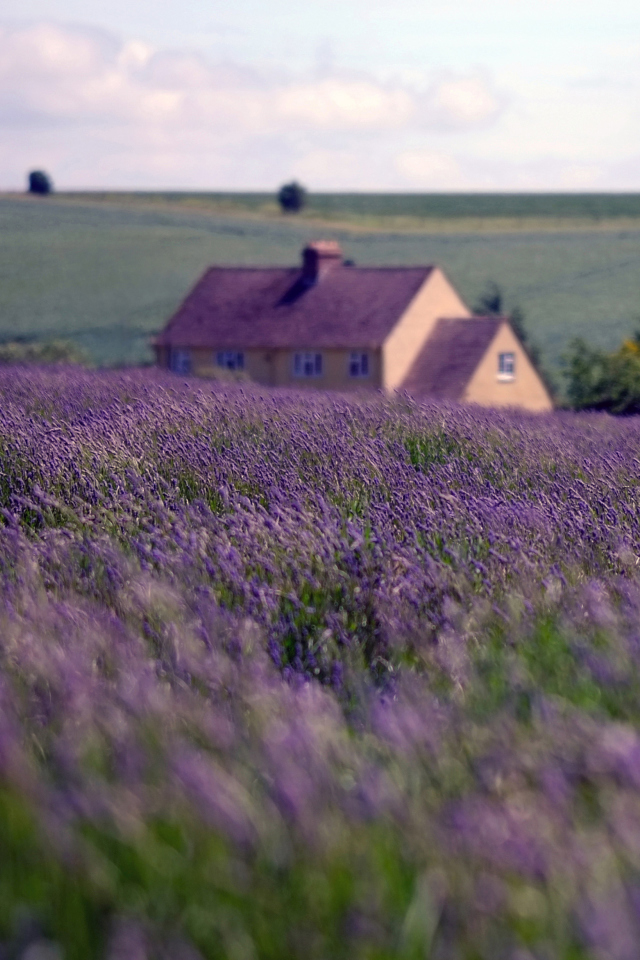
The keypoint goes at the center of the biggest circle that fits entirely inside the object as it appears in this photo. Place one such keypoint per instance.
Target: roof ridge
(242, 266)
(476, 316)
(346, 266)
(450, 354)
(269, 307)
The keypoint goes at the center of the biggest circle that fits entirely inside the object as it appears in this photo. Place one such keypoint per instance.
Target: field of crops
(291, 678)
(596, 207)
(108, 273)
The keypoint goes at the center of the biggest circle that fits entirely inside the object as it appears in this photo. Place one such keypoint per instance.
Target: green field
(413, 208)
(106, 270)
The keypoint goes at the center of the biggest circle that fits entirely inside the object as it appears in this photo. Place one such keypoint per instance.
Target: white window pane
(506, 364)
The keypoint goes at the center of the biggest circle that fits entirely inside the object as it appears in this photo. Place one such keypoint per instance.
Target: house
(331, 325)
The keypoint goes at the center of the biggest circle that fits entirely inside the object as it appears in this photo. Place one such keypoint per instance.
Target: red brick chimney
(319, 257)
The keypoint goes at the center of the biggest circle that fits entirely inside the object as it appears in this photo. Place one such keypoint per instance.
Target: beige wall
(335, 371)
(275, 368)
(162, 356)
(526, 390)
(257, 364)
(436, 298)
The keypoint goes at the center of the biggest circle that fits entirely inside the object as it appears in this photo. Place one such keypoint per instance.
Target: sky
(353, 95)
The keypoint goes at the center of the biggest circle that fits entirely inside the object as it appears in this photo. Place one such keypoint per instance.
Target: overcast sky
(341, 94)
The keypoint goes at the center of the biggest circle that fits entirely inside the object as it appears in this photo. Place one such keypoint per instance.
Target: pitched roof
(450, 356)
(346, 308)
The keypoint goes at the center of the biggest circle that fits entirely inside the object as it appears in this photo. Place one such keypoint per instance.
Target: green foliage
(604, 381)
(491, 302)
(585, 369)
(40, 182)
(46, 352)
(292, 197)
(427, 449)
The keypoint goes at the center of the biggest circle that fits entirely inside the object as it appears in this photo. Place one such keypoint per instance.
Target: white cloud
(134, 55)
(98, 110)
(429, 170)
(463, 102)
(338, 103)
(52, 74)
(581, 176)
(75, 75)
(52, 53)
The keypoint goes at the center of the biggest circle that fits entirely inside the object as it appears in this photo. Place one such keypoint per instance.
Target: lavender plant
(290, 676)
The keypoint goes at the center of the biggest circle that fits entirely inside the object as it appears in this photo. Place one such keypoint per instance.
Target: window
(180, 360)
(359, 365)
(506, 366)
(307, 364)
(230, 359)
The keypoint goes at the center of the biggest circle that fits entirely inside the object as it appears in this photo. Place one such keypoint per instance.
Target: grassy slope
(107, 271)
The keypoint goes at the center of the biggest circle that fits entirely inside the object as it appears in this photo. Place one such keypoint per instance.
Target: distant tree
(598, 380)
(40, 182)
(491, 302)
(292, 197)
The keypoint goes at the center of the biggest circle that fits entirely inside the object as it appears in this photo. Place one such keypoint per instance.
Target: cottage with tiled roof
(335, 326)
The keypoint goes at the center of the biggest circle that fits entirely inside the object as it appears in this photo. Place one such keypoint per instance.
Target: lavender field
(306, 678)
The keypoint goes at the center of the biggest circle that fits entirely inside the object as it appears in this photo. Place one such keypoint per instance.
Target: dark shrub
(604, 381)
(292, 197)
(40, 182)
(44, 352)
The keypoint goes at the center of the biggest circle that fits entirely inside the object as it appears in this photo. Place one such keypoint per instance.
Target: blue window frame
(230, 359)
(506, 366)
(307, 364)
(180, 360)
(358, 364)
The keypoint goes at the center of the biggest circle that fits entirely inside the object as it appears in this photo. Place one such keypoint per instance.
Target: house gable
(436, 298)
(491, 389)
(450, 356)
